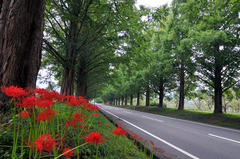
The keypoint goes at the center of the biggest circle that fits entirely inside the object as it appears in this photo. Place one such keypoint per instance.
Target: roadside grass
(225, 120)
(113, 147)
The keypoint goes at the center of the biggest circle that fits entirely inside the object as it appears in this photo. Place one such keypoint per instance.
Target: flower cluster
(95, 138)
(44, 142)
(119, 132)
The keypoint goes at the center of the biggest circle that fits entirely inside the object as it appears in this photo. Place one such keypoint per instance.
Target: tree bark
(131, 99)
(218, 91)
(138, 98)
(161, 94)
(21, 35)
(147, 96)
(126, 99)
(181, 90)
(122, 99)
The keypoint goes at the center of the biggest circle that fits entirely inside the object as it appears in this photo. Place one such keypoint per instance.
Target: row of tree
(191, 45)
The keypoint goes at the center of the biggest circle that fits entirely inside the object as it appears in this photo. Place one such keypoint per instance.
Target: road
(176, 138)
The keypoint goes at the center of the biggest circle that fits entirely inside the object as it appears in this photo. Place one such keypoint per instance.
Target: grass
(225, 120)
(120, 147)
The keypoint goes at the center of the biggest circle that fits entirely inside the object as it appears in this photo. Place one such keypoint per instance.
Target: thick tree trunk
(181, 91)
(148, 96)
(161, 93)
(21, 34)
(126, 99)
(131, 99)
(67, 85)
(218, 91)
(138, 98)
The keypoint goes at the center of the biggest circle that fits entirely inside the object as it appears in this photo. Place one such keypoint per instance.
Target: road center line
(220, 137)
(152, 118)
(167, 143)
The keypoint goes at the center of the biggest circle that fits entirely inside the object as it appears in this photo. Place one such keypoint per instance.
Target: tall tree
(216, 44)
(21, 32)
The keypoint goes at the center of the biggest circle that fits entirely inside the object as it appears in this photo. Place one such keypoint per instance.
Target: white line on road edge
(169, 144)
(224, 138)
(152, 118)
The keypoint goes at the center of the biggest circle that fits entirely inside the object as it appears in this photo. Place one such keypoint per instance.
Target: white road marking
(167, 143)
(152, 118)
(127, 112)
(224, 138)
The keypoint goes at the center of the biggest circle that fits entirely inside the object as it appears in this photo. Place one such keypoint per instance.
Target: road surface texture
(176, 138)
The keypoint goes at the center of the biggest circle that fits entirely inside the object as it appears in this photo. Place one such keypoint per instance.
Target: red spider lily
(119, 124)
(140, 138)
(77, 118)
(96, 114)
(14, 92)
(152, 143)
(82, 100)
(46, 115)
(134, 136)
(44, 142)
(45, 103)
(43, 93)
(69, 152)
(99, 122)
(29, 102)
(95, 138)
(107, 124)
(119, 132)
(55, 95)
(94, 107)
(72, 101)
(25, 115)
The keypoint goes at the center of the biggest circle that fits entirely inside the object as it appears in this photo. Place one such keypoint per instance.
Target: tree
(216, 44)
(21, 32)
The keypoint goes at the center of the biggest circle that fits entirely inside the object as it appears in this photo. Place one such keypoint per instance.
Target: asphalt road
(176, 138)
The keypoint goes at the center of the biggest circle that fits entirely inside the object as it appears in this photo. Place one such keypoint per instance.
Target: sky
(153, 3)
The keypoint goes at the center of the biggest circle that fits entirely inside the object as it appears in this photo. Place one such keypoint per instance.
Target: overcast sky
(153, 3)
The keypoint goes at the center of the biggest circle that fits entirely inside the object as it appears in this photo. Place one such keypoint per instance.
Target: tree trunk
(131, 99)
(138, 98)
(181, 90)
(126, 99)
(21, 33)
(218, 91)
(68, 75)
(147, 96)
(119, 100)
(161, 93)
(122, 99)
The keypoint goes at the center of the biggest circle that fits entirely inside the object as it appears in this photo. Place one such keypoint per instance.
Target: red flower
(69, 152)
(96, 114)
(44, 142)
(152, 143)
(95, 138)
(46, 115)
(82, 100)
(119, 132)
(77, 118)
(140, 138)
(45, 103)
(94, 107)
(25, 114)
(119, 124)
(106, 124)
(29, 102)
(99, 122)
(14, 91)
(134, 136)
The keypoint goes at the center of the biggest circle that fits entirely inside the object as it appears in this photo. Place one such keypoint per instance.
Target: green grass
(120, 148)
(226, 120)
